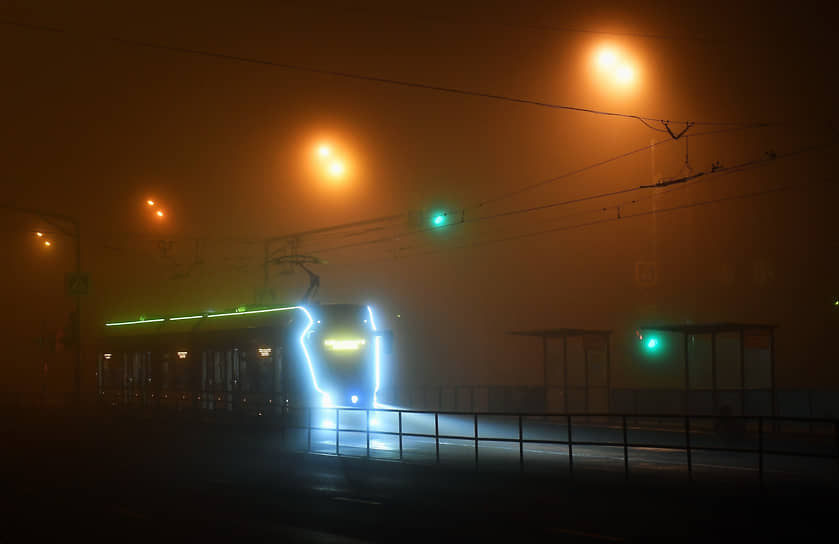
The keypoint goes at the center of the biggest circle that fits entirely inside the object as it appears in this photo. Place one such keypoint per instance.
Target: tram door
(261, 378)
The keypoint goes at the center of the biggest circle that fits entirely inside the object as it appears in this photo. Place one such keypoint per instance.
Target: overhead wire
(643, 119)
(753, 194)
(544, 27)
(380, 80)
(571, 173)
(541, 207)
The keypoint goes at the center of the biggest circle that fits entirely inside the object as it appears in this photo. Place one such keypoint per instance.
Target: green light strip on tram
(254, 311)
(134, 322)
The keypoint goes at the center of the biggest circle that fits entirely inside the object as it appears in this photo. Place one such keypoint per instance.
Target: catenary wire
(376, 79)
(531, 209)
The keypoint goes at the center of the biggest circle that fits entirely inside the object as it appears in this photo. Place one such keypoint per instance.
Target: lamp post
(61, 223)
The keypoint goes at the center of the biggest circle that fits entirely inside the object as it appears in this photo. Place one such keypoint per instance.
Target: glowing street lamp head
(324, 151)
(606, 59)
(336, 169)
(616, 67)
(159, 213)
(47, 243)
(39, 234)
(625, 74)
(150, 202)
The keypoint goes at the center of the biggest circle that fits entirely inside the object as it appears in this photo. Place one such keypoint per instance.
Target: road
(127, 478)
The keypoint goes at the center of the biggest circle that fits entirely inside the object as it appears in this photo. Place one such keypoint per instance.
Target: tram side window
(184, 373)
(111, 373)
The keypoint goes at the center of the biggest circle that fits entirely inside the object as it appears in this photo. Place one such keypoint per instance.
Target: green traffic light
(438, 219)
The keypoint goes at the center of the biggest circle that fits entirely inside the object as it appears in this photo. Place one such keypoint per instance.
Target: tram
(313, 355)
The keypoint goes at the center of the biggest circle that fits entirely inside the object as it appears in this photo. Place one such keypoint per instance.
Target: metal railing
(699, 435)
(533, 440)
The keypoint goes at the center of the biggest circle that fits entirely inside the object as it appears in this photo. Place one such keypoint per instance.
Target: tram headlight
(344, 345)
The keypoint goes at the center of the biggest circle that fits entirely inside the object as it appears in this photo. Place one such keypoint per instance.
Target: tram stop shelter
(576, 366)
(729, 368)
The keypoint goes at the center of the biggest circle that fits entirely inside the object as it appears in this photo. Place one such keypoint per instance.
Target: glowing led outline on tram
(261, 311)
(134, 322)
(306, 352)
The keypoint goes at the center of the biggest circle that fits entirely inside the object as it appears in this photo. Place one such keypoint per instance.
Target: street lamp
(606, 59)
(68, 226)
(156, 206)
(616, 66)
(336, 169)
(624, 74)
(331, 162)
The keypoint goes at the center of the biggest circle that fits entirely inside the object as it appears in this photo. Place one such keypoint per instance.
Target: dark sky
(94, 123)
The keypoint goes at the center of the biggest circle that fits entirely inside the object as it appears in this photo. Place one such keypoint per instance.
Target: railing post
(400, 435)
(285, 418)
(309, 427)
(570, 447)
(337, 430)
(625, 451)
(760, 449)
(521, 446)
(437, 437)
(368, 432)
(687, 448)
(476, 441)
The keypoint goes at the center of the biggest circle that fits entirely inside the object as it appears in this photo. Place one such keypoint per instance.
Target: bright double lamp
(344, 345)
